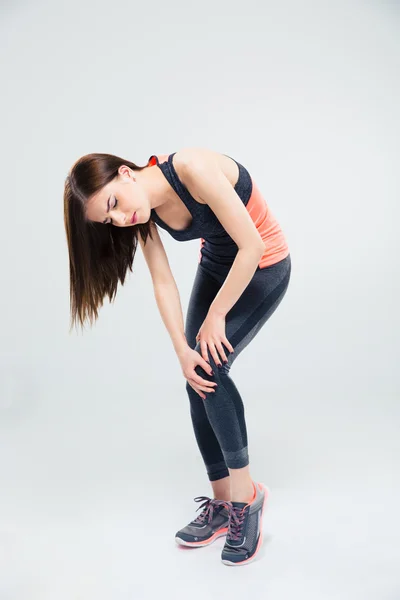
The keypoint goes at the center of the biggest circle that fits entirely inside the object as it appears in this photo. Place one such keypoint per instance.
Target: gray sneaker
(245, 534)
(211, 523)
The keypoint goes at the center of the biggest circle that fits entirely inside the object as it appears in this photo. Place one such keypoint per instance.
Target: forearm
(237, 280)
(169, 305)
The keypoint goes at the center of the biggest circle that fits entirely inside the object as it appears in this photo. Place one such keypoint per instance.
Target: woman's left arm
(206, 181)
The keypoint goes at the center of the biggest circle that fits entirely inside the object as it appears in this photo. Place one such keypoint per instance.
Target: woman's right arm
(170, 308)
(165, 288)
(169, 305)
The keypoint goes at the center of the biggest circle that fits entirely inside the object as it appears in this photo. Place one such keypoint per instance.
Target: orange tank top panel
(276, 247)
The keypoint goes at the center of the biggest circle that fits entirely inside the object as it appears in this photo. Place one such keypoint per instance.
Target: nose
(120, 217)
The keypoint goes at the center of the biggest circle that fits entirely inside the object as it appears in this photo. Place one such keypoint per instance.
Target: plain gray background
(99, 464)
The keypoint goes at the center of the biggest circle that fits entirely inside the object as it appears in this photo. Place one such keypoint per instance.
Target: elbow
(261, 249)
(256, 249)
(260, 246)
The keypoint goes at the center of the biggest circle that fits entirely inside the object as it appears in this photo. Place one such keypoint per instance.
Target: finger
(204, 353)
(215, 354)
(202, 396)
(228, 345)
(203, 382)
(221, 351)
(206, 366)
(203, 388)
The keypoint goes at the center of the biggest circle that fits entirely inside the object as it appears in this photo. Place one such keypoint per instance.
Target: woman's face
(119, 200)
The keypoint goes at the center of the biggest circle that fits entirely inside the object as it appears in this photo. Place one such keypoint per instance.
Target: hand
(189, 359)
(212, 335)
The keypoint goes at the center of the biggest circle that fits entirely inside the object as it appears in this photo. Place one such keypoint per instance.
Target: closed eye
(110, 221)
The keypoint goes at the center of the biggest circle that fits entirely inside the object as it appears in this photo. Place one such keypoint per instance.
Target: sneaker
(244, 537)
(211, 523)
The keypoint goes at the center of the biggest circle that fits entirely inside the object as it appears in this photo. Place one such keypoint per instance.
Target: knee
(222, 370)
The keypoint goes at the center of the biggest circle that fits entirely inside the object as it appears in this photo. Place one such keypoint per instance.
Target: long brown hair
(99, 254)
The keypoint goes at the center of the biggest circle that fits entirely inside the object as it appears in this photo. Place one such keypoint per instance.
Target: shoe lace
(208, 506)
(236, 520)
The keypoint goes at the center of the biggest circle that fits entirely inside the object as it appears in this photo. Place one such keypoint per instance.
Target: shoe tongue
(239, 504)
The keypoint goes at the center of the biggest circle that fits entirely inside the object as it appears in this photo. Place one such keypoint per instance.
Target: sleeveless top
(216, 244)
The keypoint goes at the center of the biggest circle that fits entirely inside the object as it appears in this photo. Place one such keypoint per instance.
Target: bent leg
(204, 290)
(224, 408)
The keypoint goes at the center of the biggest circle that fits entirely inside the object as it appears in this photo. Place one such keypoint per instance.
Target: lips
(134, 218)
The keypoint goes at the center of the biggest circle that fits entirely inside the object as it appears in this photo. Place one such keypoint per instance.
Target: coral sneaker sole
(206, 542)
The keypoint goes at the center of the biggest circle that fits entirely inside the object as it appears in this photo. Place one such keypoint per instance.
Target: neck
(155, 185)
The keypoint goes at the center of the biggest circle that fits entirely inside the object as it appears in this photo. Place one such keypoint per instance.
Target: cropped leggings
(219, 420)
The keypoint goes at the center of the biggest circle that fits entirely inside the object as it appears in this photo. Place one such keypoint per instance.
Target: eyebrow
(108, 208)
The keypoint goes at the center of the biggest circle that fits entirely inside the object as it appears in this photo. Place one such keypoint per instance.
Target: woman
(242, 275)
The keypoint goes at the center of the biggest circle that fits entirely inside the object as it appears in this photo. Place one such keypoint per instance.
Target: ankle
(243, 494)
(224, 497)
(222, 488)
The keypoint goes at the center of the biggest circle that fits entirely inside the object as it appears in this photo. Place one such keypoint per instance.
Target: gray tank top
(218, 244)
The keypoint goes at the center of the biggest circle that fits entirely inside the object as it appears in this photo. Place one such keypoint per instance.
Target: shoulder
(193, 162)
(195, 156)
(197, 161)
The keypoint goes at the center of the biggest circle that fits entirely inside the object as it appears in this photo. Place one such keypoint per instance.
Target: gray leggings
(219, 420)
